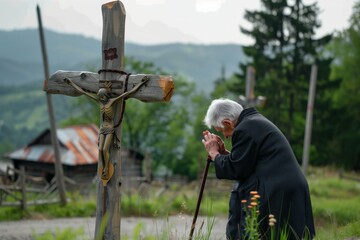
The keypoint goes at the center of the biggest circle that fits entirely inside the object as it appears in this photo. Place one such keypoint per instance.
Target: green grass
(334, 232)
(336, 206)
(65, 234)
(335, 200)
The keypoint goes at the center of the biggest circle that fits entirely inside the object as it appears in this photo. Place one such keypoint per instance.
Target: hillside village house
(79, 155)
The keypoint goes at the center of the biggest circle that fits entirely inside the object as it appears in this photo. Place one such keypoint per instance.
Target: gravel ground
(179, 227)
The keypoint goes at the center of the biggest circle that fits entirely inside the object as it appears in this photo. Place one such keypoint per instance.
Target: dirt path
(178, 226)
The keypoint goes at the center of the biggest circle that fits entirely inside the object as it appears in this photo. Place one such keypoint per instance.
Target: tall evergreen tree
(283, 51)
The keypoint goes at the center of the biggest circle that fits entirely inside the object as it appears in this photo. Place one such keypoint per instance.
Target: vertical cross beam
(249, 100)
(109, 88)
(108, 197)
(250, 82)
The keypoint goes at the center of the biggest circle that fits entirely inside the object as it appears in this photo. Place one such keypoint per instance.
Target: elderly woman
(261, 160)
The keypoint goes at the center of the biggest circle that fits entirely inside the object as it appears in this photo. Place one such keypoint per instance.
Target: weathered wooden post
(249, 100)
(309, 115)
(148, 167)
(59, 173)
(109, 88)
(23, 187)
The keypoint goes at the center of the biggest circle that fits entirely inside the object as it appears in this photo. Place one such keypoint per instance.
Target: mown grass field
(336, 204)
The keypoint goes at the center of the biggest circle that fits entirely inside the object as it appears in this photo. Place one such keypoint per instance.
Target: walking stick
(199, 197)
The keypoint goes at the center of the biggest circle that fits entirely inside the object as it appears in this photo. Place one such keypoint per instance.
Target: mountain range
(21, 60)
(23, 108)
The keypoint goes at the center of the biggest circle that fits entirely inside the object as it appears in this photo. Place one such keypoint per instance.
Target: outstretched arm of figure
(125, 94)
(79, 89)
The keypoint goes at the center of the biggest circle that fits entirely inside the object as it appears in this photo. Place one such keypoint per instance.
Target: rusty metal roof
(78, 146)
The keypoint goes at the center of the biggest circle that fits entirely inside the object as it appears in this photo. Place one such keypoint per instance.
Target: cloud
(198, 21)
(150, 2)
(155, 32)
(208, 5)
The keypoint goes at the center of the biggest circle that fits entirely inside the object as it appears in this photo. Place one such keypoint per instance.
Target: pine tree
(284, 50)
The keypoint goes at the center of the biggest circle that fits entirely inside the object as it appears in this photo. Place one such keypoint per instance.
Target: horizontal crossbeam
(157, 89)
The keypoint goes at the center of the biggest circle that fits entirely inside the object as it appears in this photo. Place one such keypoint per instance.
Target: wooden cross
(249, 100)
(109, 88)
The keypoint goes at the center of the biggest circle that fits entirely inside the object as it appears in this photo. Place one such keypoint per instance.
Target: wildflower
(253, 199)
(256, 196)
(243, 201)
(253, 204)
(250, 207)
(272, 220)
(253, 192)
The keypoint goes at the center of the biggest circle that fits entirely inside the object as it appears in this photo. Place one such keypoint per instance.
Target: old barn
(78, 153)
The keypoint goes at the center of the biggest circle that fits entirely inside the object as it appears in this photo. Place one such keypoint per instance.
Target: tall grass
(336, 205)
(65, 234)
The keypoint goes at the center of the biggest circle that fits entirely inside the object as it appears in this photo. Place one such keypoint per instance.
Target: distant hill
(21, 61)
(23, 111)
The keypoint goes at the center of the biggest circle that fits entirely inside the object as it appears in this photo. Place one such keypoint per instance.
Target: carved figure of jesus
(107, 127)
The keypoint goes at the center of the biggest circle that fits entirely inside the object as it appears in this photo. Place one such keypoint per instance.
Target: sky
(159, 21)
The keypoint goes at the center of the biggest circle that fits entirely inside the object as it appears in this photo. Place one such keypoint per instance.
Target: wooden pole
(206, 170)
(249, 91)
(309, 114)
(148, 167)
(58, 166)
(23, 187)
(249, 100)
(113, 46)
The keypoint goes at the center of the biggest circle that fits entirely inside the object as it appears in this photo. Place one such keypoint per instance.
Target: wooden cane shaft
(199, 198)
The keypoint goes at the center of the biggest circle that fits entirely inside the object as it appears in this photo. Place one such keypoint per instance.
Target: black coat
(262, 159)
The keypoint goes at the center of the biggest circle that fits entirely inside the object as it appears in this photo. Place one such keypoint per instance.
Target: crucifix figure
(110, 87)
(108, 126)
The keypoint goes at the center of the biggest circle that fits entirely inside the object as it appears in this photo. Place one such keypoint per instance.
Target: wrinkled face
(228, 128)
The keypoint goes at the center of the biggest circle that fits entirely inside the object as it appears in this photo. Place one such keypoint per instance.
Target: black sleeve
(240, 163)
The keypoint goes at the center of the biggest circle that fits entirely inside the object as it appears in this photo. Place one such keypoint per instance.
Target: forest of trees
(284, 49)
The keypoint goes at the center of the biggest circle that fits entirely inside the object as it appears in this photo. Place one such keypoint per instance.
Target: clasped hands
(213, 144)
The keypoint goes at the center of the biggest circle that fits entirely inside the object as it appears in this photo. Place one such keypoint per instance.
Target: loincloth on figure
(106, 130)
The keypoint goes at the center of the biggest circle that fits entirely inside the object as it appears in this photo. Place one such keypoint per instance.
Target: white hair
(221, 109)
